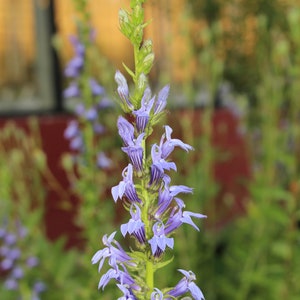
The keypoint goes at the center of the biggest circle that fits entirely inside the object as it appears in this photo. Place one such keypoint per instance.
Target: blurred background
(234, 71)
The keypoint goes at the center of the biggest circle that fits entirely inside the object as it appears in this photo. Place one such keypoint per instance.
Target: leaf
(130, 72)
(163, 263)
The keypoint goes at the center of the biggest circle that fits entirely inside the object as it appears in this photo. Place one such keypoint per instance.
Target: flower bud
(148, 63)
(124, 22)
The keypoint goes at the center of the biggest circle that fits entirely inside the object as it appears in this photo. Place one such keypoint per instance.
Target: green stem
(149, 276)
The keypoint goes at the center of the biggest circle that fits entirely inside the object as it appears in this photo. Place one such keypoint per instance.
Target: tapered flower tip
(120, 79)
(126, 130)
(161, 101)
(188, 274)
(186, 218)
(108, 239)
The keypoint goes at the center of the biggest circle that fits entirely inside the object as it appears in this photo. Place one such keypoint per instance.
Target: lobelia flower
(126, 187)
(123, 91)
(166, 195)
(178, 217)
(135, 153)
(158, 166)
(143, 114)
(126, 131)
(103, 161)
(72, 91)
(75, 65)
(122, 276)
(13, 261)
(161, 101)
(135, 226)
(159, 241)
(157, 295)
(127, 293)
(167, 144)
(96, 88)
(186, 284)
(115, 255)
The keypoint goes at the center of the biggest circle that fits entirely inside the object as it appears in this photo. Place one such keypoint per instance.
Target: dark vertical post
(48, 74)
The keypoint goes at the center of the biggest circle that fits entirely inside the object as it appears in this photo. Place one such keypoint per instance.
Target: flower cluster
(155, 207)
(88, 112)
(13, 265)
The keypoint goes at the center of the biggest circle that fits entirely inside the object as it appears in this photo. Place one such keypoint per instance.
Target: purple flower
(159, 241)
(91, 114)
(17, 273)
(10, 239)
(96, 88)
(6, 264)
(158, 166)
(135, 226)
(78, 47)
(11, 284)
(103, 161)
(166, 195)
(39, 287)
(115, 255)
(186, 284)
(157, 295)
(72, 91)
(127, 293)
(122, 276)
(143, 114)
(126, 131)
(123, 91)
(161, 101)
(135, 152)
(178, 217)
(74, 67)
(126, 186)
(167, 144)
(72, 130)
(32, 261)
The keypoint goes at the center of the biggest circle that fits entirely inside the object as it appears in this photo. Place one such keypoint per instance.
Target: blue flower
(103, 161)
(75, 65)
(126, 131)
(96, 88)
(127, 293)
(161, 101)
(186, 284)
(135, 225)
(143, 114)
(135, 152)
(157, 294)
(115, 255)
(121, 276)
(178, 217)
(123, 91)
(159, 241)
(126, 186)
(167, 144)
(159, 164)
(72, 91)
(166, 195)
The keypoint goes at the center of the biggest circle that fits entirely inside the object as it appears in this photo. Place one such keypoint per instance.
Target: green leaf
(163, 263)
(130, 72)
